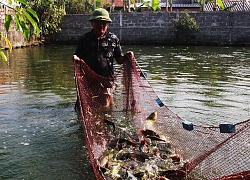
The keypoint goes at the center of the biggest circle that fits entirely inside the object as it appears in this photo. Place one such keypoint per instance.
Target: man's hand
(76, 58)
(130, 53)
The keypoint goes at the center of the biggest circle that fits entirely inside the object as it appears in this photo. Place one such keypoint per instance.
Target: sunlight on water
(204, 85)
(41, 135)
(184, 58)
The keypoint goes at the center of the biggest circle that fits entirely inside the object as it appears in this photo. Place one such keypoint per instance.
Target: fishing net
(118, 134)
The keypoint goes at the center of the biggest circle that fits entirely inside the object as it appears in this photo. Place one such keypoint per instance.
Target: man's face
(99, 27)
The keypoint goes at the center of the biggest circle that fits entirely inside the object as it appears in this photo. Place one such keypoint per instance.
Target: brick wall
(216, 28)
(16, 38)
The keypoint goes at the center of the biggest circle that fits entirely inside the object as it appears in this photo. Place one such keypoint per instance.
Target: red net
(200, 152)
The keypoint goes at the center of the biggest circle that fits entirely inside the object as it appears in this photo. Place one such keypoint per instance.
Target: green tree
(85, 6)
(50, 14)
(77, 6)
(185, 25)
(25, 19)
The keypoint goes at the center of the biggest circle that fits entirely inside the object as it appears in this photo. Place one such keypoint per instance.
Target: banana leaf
(221, 5)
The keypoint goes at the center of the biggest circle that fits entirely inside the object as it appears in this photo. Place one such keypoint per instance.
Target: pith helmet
(101, 15)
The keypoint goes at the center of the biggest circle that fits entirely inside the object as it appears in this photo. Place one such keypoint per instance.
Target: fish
(140, 156)
(93, 97)
(155, 138)
(125, 143)
(139, 175)
(130, 165)
(150, 120)
(131, 176)
(148, 155)
(104, 161)
(115, 171)
(148, 132)
(121, 143)
(178, 174)
(152, 117)
(155, 168)
(162, 178)
(167, 148)
(176, 158)
(150, 170)
(108, 122)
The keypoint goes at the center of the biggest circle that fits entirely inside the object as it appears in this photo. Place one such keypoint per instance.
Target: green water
(41, 135)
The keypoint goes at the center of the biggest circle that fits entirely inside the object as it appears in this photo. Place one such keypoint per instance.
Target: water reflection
(40, 134)
(202, 84)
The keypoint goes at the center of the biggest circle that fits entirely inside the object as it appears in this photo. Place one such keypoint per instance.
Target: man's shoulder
(87, 35)
(112, 35)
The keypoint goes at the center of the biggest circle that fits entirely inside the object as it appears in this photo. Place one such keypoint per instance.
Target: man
(98, 48)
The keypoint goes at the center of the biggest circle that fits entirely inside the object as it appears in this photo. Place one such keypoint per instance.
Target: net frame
(209, 153)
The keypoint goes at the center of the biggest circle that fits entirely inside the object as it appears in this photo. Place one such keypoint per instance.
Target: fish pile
(151, 158)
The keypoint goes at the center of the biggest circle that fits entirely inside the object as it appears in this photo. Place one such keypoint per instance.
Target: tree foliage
(50, 14)
(217, 4)
(25, 19)
(185, 25)
(85, 6)
(154, 5)
(77, 6)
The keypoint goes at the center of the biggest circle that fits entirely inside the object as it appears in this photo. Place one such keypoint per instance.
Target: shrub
(185, 25)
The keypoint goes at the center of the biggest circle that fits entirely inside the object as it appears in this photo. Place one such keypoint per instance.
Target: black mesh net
(138, 137)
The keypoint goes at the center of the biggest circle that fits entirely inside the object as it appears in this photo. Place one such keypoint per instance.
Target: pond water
(41, 135)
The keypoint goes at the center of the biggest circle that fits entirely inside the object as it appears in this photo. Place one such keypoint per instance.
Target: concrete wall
(216, 28)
